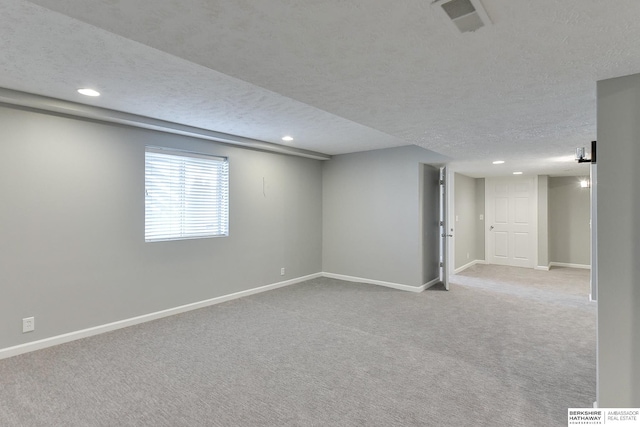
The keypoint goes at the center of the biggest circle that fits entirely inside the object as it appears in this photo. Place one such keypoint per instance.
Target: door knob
(491, 228)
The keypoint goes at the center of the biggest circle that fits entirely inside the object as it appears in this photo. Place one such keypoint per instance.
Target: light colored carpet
(563, 286)
(325, 353)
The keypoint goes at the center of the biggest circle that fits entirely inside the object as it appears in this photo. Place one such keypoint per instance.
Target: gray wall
(372, 225)
(480, 223)
(618, 214)
(594, 230)
(72, 249)
(543, 221)
(569, 216)
(430, 194)
(464, 225)
(468, 227)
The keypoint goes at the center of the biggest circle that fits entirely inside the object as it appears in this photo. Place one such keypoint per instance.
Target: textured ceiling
(51, 54)
(341, 76)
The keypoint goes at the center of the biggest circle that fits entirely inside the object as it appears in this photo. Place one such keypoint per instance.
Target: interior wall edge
(16, 99)
(398, 286)
(569, 265)
(469, 265)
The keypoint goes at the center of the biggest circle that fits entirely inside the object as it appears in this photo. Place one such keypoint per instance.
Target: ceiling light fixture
(580, 154)
(287, 138)
(88, 92)
(498, 162)
(517, 173)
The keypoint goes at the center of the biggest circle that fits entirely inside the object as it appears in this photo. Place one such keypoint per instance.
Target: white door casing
(512, 221)
(446, 233)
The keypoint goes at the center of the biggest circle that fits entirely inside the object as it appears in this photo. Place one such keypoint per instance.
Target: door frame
(447, 232)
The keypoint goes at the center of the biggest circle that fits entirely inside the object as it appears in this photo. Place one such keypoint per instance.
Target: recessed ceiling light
(287, 138)
(498, 162)
(517, 173)
(88, 92)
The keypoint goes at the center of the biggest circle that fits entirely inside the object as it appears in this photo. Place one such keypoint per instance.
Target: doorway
(560, 213)
(430, 213)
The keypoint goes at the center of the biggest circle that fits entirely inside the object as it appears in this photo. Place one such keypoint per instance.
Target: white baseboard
(471, 264)
(84, 333)
(542, 267)
(431, 283)
(569, 265)
(380, 282)
(96, 330)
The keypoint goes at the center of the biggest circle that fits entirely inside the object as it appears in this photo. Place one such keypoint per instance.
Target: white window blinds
(186, 195)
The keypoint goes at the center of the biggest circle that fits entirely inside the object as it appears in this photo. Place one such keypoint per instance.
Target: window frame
(186, 164)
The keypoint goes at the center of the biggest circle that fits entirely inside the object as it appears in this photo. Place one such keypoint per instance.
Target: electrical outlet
(28, 324)
(282, 271)
(481, 217)
(467, 255)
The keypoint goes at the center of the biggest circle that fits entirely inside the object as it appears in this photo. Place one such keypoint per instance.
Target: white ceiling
(340, 76)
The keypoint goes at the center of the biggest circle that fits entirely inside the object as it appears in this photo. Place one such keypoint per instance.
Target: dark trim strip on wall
(13, 98)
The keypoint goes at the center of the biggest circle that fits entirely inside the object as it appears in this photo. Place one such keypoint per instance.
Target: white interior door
(512, 218)
(445, 232)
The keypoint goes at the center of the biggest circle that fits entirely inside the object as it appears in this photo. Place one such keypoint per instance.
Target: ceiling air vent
(467, 15)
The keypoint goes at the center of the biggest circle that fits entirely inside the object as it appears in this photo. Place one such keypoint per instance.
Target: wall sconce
(580, 154)
(585, 183)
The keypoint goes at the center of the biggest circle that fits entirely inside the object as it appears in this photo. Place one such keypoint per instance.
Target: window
(186, 195)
